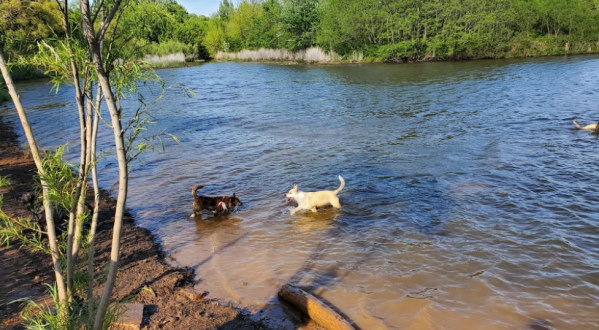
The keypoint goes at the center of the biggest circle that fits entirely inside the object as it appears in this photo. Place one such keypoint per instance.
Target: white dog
(311, 200)
(589, 127)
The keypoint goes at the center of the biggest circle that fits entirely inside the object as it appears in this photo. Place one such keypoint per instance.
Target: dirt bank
(143, 276)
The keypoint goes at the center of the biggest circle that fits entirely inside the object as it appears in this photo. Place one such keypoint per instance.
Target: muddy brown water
(470, 203)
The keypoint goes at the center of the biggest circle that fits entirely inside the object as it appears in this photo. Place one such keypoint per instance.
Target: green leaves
(24, 23)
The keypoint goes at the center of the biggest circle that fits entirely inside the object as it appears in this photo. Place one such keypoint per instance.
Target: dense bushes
(391, 31)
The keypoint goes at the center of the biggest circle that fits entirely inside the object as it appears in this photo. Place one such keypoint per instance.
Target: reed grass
(310, 55)
(165, 61)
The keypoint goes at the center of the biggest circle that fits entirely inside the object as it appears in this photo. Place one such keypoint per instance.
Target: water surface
(470, 203)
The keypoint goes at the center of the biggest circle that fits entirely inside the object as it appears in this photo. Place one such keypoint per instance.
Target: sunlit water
(471, 202)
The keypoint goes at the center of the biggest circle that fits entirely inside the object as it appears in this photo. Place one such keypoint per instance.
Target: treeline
(146, 27)
(410, 30)
(380, 30)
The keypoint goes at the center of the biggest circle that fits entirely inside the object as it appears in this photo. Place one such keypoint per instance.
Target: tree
(24, 23)
(50, 226)
(215, 38)
(299, 21)
(68, 60)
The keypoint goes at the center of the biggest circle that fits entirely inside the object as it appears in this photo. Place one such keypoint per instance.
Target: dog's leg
(295, 210)
(335, 202)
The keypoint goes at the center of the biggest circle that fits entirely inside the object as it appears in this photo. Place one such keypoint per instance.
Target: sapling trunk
(50, 226)
(76, 210)
(94, 222)
(94, 41)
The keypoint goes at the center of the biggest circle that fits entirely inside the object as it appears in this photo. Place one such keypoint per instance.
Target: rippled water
(470, 203)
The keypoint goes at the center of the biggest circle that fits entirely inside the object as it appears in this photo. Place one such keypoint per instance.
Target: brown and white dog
(311, 200)
(218, 205)
(588, 127)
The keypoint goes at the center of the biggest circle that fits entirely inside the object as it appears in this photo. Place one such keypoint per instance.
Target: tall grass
(310, 55)
(166, 60)
(167, 54)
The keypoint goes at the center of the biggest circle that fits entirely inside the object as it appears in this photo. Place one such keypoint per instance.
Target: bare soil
(143, 276)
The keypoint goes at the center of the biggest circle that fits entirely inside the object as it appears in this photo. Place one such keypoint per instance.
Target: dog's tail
(576, 124)
(193, 191)
(341, 186)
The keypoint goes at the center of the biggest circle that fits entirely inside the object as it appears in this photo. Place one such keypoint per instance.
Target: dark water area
(470, 200)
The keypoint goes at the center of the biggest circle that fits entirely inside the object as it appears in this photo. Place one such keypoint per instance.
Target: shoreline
(233, 57)
(144, 276)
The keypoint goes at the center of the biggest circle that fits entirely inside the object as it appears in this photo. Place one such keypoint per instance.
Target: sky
(200, 7)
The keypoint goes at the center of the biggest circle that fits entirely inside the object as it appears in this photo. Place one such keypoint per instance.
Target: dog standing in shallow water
(218, 205)
(311, 200)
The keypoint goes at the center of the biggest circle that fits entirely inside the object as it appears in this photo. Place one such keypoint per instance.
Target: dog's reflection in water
(210, 225)
(308, 221)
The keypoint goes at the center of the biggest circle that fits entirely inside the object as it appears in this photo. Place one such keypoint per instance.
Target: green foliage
(215, 38)
(391, 30)
(299, 22)
(4, 182)
(24, 23)
(60, 179)
(455, 29)
(24, 230)
(398, 52)
(43, 316)
(169, 47)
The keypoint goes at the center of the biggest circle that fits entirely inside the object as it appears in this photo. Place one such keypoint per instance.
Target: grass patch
(310, 55)
(171, 60)
(4, 182)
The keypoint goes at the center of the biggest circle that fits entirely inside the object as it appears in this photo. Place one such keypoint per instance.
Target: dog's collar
(222, 202)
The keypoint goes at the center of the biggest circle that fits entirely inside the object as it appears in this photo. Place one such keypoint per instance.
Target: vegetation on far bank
(345, 30)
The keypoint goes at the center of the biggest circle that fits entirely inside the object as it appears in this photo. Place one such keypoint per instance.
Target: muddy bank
(143, 276)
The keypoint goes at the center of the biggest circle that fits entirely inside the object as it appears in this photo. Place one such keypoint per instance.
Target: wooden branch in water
(314, 308)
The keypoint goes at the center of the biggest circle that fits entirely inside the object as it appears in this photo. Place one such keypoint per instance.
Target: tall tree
(299, 21)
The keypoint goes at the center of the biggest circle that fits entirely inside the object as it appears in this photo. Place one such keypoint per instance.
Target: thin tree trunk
(94, 223)
(86, 136)
(74, 225)
(95, 50)
(51, 230)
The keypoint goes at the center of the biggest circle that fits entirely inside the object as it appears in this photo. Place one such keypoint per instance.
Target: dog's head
(234, 201)
(292, 193)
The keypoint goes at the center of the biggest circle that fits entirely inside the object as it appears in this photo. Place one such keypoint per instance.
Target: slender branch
(51, 50)
(106, 21)
(98, 11)
(94, 223)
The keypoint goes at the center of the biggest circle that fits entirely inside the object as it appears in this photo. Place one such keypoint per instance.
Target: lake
(471, 202)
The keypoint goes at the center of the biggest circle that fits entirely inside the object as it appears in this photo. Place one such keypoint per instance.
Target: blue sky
(200, 7)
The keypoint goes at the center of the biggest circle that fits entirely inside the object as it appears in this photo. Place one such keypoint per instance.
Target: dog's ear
(295, 186)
